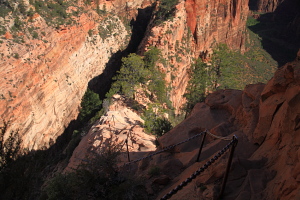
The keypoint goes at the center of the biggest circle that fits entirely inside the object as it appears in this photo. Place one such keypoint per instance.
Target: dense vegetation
(31, 175)
(140, 74)
(10, 147)
(99, 178)
(228, 69)
(90, 105)
(165, 10)
(275, 36)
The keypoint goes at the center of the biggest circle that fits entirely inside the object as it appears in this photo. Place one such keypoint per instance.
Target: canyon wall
(44, 79)
(288, 11)
(264, 5)
(264, 118)
(197, 27)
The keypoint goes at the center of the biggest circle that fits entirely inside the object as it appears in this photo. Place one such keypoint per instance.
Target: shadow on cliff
(102, 83)
(280, 32)
(25, 177)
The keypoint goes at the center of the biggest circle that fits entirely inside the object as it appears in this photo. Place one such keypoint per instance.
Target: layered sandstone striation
(197, 27)
(264, 117)
(44, 79)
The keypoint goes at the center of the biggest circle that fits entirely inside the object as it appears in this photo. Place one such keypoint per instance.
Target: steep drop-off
(196, 28)
(44, 78)
(264, 5)
(265, 118)
(45, 75)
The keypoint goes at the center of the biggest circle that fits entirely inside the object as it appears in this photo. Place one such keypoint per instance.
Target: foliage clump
(142, 72)
(137, 71)
(10, 147)
(227, 69)
(155, 122)
(165, 11)
(201, 80)
(99, 178)
(90, 104)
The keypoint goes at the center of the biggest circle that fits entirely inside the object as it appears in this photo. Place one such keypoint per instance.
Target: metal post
(127, 150)
(200, 149)
(228, 166)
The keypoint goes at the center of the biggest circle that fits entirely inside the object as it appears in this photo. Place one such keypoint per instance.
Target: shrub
(155, 124)
(165, 11)
(18, 23)
(90, 32)
(9, 148)
(154, 171)
(16, 56)
(131, 73)
(97, 179)
(200, 80)
(90, 104)
(35, 35)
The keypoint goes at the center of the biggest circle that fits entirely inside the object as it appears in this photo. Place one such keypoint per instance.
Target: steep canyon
(48, 64)
(42, 87)
(45, 77)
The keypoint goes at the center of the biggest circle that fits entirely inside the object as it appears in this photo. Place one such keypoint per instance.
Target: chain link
(200, 170)
(166, 148)
(219, 137)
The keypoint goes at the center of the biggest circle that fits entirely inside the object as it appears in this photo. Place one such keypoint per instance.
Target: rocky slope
(197, 27)
(119, 124)
(44, 78)
(265, 118)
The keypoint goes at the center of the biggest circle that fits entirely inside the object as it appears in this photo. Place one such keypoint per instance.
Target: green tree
(199, 83)
(9, 148)
(154, 122)
(166, 10)
(99, 178)
(157, 84)
(229, 66)
(131, 73)
(90, 104)
(151, 57)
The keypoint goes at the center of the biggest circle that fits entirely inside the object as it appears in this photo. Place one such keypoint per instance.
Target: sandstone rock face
(265, 118)
(197, 27)
(264, 5)
(44, 79)
(114, 128)
(218, 22)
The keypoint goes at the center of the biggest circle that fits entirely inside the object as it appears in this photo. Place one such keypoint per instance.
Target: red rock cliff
(196, 28)
(44, 79)
(266, 120)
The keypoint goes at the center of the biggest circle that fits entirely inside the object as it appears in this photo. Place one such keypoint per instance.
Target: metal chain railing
(219, 137)
(200, 170)
(165, 149)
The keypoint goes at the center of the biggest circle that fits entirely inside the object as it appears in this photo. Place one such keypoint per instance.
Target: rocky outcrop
(111, 131)
(265, 118)
(264, 5)
(44, 78)
(197, 27)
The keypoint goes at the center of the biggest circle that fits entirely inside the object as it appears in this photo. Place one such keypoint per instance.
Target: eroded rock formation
(197, 27)
(265, 118)
(44, 79)
(119, 124)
